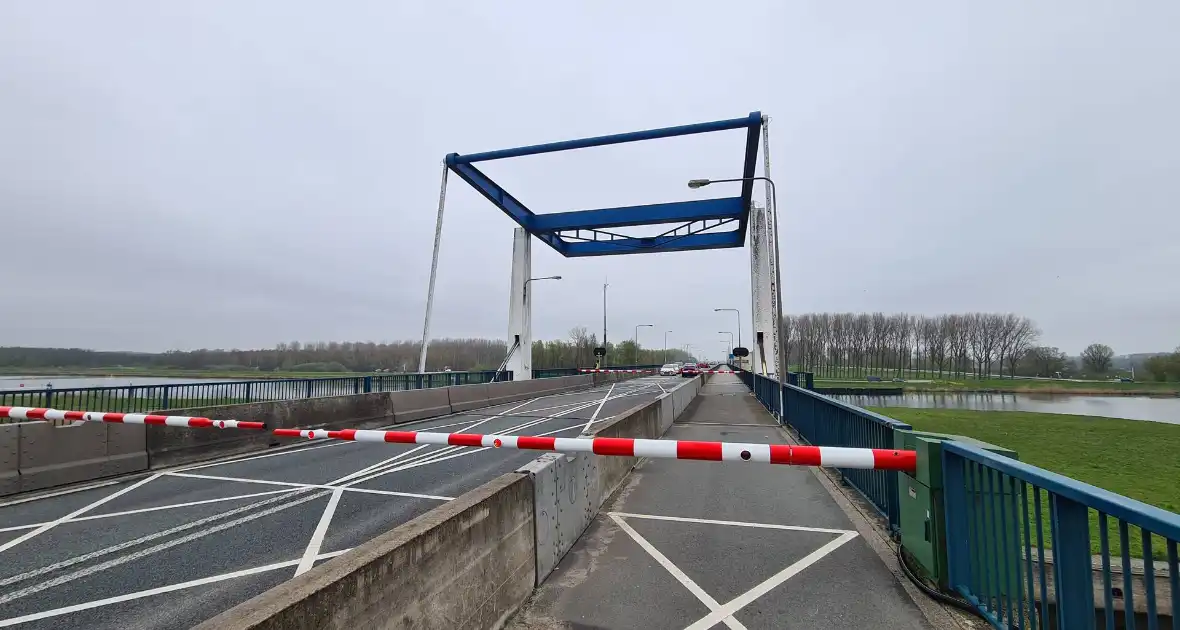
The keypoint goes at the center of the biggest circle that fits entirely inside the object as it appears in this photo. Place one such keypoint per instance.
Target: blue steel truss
(589, 232)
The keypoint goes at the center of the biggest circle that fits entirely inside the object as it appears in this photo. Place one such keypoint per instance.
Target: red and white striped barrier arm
(873, 459)
(600, 371)
(40, 413)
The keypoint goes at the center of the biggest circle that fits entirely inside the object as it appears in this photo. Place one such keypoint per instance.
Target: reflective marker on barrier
(833, 456)
(41, 413)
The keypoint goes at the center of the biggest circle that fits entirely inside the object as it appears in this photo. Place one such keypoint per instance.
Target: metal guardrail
(1004, 515)
(144, 398)
(824, 421)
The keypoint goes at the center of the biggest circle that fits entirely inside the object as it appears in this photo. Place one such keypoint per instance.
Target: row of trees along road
(850, 345)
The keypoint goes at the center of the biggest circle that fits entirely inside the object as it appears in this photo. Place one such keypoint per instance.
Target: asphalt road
(172, 549)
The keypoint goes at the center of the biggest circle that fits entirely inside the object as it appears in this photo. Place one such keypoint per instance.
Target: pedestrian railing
(143, 398)
(1030, 548)
(825, 421)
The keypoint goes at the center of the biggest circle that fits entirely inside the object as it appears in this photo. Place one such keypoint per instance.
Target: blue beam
(676, 212)
(749, 170)
(709, 240)
(751, 122)
(494, 193)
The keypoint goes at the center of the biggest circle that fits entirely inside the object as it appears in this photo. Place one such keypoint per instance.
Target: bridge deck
(173, 549)
(706, 545)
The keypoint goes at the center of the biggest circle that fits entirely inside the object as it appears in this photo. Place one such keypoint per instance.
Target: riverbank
(1003, 386)
(1133, 458)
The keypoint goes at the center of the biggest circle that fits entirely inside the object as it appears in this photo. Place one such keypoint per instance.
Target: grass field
(1016, 386)
(1137, 459)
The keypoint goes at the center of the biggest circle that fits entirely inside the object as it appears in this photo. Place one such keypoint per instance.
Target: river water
(70, 382)
(1156, 409)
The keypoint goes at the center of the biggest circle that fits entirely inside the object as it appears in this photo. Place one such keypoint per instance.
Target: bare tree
(1022, 338)
(1097, 357)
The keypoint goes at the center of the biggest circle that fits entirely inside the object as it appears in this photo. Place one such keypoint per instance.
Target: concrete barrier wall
(9, 459)
(466, 564)
(683, 395)
(467, 397)
(177, 445)
(642, 421)
(570, 383)
(570, 490)
(418, 404)
(54, 456)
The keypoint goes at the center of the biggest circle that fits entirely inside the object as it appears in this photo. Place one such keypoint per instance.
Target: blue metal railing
(824, 421)
(143, 398)
(1003, 516)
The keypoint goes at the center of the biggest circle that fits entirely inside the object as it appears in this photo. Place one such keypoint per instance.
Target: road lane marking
(170, 506)
(131, 543)
(705, 521)
(297, 448)
(50, 495)
(599, 410)
(436, 456)
(706, 599)
(314, 486)
(743, 600)
(98, 603)
(143, 553)
(78, 512)
(317, 537)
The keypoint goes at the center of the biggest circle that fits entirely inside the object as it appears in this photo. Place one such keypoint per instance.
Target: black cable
(937, 595)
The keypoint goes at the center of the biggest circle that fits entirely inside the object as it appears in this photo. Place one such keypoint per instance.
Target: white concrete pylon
(520, 307)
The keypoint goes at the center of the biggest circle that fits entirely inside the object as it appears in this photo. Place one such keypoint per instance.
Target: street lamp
(739, 319)
(635, 359)
(726, 332)
(666, 345)
(526, 284)
(778, 277)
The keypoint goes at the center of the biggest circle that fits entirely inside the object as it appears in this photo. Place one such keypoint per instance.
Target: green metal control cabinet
(923, 519)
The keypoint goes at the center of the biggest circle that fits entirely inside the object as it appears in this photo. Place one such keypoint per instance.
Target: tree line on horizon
(831, 345)
(956, 345)
(332, 356)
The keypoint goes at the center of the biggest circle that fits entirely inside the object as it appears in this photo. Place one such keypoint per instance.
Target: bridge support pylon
(520, 308)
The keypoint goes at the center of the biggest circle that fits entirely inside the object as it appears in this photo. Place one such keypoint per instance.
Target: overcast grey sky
(235, 174)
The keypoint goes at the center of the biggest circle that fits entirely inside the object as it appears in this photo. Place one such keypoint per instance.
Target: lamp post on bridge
(526, 284)
(739, 322)
(726, 332)
(778, 277)
(635, 359)
(666, 345)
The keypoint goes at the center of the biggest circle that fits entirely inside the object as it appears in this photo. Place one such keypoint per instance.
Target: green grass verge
(1133, 458)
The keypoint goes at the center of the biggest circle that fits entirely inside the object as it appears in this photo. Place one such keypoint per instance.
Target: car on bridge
(670, 369)
(690, 369)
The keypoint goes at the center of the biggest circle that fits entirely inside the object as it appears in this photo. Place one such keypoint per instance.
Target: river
(70, 382)
(1154, 409)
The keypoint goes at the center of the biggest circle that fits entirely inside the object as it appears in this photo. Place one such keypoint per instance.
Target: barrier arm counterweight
(838, 457)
